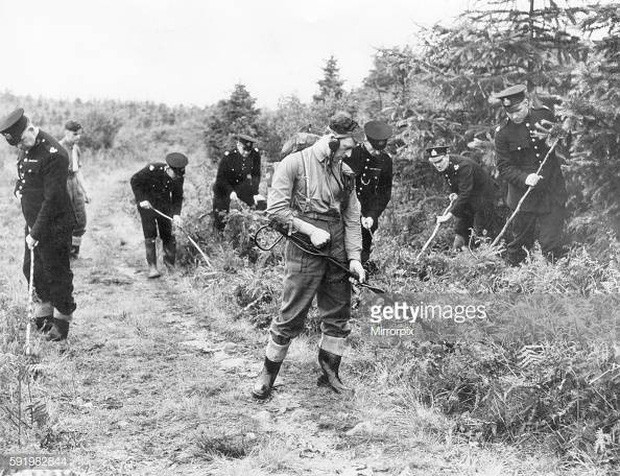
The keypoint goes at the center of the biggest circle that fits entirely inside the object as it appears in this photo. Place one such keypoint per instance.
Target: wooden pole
(527, 192)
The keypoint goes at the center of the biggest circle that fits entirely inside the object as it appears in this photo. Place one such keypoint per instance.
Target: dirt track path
(146, 386)
(155, 379)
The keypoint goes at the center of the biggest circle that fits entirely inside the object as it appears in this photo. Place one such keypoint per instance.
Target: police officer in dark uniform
(473, 193)
(43, 167)
(521, 146)
(373, 182)
(239, 171)
(160, 186)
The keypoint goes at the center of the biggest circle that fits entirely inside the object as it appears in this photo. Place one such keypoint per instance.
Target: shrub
(99, 130)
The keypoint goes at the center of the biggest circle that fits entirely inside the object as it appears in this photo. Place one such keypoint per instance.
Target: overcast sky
(195, 51)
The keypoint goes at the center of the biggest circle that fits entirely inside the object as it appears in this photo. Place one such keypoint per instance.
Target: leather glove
(145, 204)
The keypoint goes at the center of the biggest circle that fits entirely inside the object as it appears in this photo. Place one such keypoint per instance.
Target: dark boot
(58, 331)
(43, 315)
(330, 363)
(43, 323)
(151, 257)
(264, 382)
(170, 251)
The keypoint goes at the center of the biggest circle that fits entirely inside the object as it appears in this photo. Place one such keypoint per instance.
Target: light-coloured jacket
(306, 183)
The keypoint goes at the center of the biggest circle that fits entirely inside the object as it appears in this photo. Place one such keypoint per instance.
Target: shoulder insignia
(498, 128)
(151, 167)
(53, 150)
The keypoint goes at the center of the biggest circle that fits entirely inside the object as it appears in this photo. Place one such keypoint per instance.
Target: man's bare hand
(31, 242)
(357, 269)
(532, 179)
(319, 238)
(444, 218)
(368, 222)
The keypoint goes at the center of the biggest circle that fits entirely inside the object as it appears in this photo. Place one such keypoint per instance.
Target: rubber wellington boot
(151, 258)
(330, 364)
(58, 331)
(170, 251)
(264, 383)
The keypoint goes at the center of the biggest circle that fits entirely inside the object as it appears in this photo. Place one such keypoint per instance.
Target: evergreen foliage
(235, 115)
(331, 84)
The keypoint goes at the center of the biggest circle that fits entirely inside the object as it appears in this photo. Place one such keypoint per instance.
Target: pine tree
(331, 84)
(594, 105)
(235, 115)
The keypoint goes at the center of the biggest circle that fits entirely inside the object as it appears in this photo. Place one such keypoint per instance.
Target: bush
(99, 130)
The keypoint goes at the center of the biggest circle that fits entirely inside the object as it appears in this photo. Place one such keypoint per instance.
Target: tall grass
(543, 371)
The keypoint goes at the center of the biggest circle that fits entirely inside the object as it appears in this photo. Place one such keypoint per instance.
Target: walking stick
(30, 301)
(527, 192)
(188, 237)
(432, 237)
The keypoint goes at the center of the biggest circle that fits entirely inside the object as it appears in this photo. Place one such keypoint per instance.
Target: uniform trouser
(151, 222)
(79, 207)
(547, 227)
(307, 276)
(367, 241)
(484, 221)
(53, 278)
(221, 201)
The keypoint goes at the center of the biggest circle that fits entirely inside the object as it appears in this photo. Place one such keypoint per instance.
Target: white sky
(195, 51)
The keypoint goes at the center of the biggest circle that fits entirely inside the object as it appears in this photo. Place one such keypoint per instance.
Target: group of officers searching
(330, 189)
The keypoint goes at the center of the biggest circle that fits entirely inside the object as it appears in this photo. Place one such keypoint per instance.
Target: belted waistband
(329, 217)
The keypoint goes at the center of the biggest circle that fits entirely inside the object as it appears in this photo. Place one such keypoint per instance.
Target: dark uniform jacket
(373, 181)
(471, 183)
(519, 154)
(152, 183)
(42, 184)
(239, 174)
